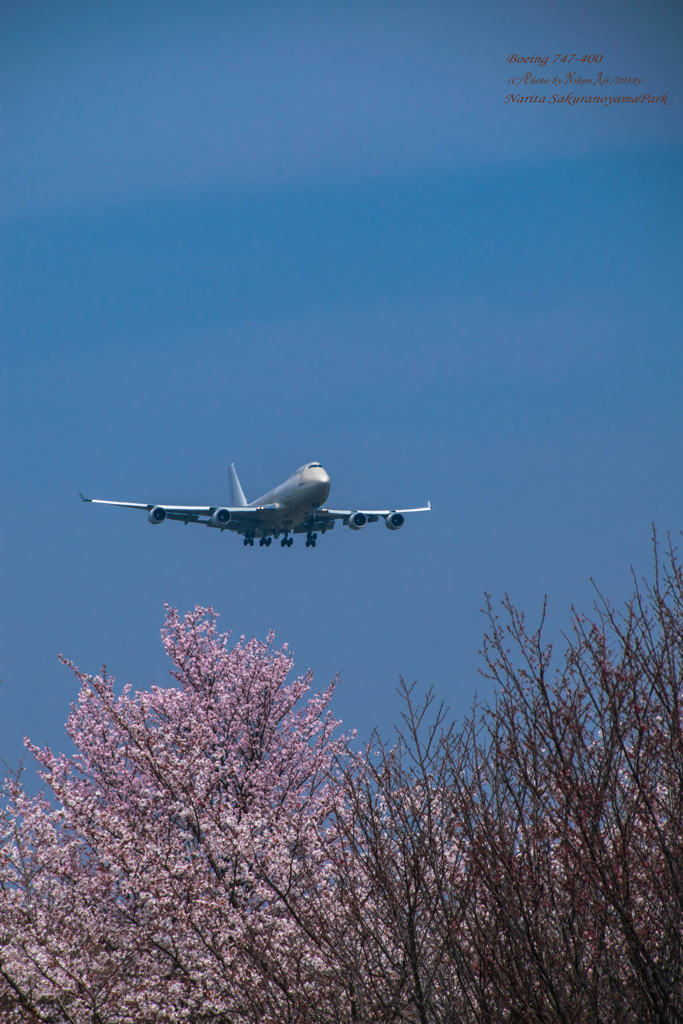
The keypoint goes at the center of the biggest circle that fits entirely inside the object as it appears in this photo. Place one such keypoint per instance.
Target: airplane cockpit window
(314, 465)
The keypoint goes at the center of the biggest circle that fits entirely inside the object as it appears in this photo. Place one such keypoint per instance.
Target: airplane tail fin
(237, 498)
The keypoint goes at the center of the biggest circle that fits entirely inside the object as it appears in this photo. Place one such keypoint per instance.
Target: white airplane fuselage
(304, 491)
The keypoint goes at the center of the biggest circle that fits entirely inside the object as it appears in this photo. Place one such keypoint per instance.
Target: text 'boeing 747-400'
(293, 507)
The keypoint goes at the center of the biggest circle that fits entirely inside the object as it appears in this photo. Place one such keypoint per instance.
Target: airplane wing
(372, 514)
(192, 513)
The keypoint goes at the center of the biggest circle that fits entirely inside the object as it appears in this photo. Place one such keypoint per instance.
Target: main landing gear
(265, 542)
(311, 538)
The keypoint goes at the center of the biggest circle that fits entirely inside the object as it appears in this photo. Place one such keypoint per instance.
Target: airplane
(293, 507)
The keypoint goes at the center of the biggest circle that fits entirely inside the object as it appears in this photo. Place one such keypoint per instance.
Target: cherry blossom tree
(576, 826)
(401, 869)
(157, 890)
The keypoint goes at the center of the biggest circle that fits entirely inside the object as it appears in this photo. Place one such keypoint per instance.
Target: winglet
(429, 505)
(84, 499)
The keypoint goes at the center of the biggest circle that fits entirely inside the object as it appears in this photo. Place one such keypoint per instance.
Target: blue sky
(279, 232)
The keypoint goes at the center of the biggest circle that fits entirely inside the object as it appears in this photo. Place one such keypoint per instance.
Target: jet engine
(157, 515)
(221, 517)
(357, 521)
(395, 521)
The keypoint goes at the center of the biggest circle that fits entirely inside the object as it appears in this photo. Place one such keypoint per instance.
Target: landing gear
(248, 540)
(265, 542)
(311, 538)
(286, 542)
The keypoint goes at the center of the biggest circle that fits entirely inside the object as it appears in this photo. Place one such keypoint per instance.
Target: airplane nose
(321, 484)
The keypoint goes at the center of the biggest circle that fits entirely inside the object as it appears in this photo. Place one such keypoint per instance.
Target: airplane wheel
(283, 542)
(314, 537)
(269, 542)
(246, 541)
(308, 543)
(290, 542)
(312, 543)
